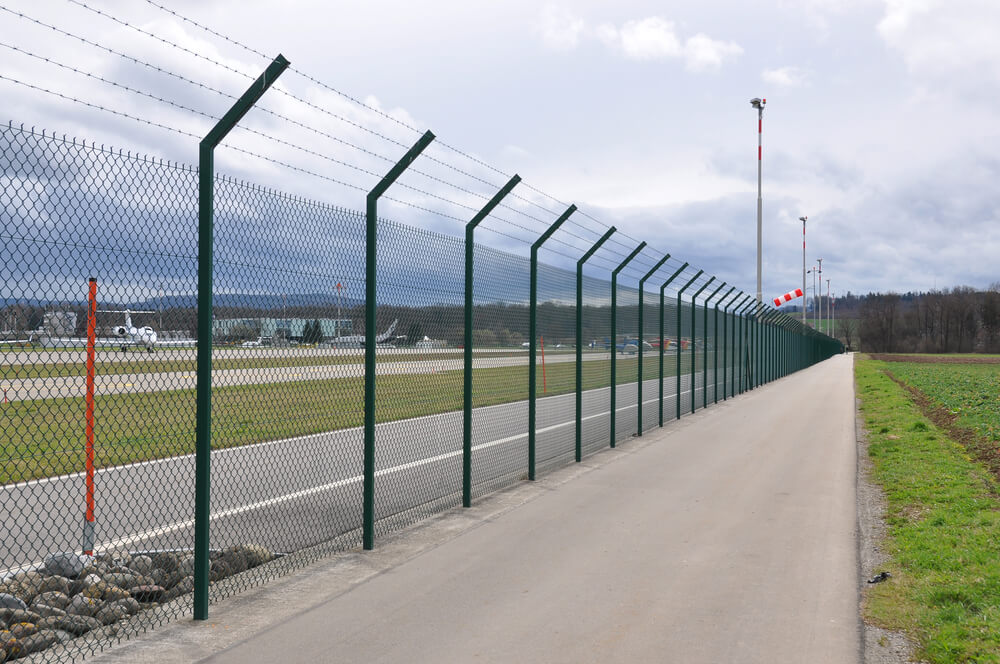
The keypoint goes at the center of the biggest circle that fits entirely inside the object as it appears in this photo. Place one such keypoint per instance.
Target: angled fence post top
(401, 165)
(246, 101)
(628, 259)
(715, 292)
(725, 297)
(590, 252)
(699, 291)
(467, 337)
(690, 281)
(672, 277)
(553, 228)
(656, 267)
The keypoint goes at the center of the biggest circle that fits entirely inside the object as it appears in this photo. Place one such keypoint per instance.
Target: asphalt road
(289, 494)
(730, 539)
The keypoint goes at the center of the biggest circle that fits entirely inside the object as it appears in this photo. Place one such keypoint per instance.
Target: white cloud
(786, 77)
(560, 28)
(947, 42)
(656, 38)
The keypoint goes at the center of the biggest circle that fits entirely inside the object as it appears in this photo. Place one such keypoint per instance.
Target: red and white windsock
(787, 297)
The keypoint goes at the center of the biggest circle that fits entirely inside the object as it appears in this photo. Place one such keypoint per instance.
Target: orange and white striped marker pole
(88, 524)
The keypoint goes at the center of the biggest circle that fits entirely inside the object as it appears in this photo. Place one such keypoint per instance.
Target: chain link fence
(97, 433)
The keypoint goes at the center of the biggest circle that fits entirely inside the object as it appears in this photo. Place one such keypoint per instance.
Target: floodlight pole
(470, 229)
(759, 105)
(371, 246)
(642, 283)
(579, 340)
(663, 332)
(614, 334)
(203, 398)
(533, 333)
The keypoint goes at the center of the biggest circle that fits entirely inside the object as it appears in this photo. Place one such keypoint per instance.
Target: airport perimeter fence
(101, 449)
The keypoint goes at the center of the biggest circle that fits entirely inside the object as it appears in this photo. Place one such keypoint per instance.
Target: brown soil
(937, 359)
(981, 449)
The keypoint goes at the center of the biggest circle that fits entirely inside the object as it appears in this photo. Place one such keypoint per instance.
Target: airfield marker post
(470, 230)
(371, 253)
(203, 399)
(704, 350)
(579, 340)
(89, 526)
(532, 334)
(642, 282)
(679, 346)
(715, 330)
(694, 335)
(614, 335)
(662, 332)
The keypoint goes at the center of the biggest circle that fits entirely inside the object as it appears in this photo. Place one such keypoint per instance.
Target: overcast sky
(881, 122)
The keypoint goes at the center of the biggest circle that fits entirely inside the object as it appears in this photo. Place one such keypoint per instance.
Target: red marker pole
(88, 524)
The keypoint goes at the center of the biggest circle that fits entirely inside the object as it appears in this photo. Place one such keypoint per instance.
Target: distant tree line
(960, 320)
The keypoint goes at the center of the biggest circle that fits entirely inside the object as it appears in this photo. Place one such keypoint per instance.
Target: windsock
(787, 297)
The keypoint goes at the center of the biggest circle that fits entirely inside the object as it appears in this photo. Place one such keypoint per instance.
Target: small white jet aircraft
(19, 342)
(358, 340)
(130, 335)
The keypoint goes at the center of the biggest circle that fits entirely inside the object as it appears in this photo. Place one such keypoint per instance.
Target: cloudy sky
(881, 123)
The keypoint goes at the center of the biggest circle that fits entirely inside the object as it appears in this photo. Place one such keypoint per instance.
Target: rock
(186, 566)
(236, 559)
(114, 593)
(111, 613)
(95, 591)
(91, 579)
(11, 616)
(255, 555)
(10, 646)
(147, 593)
(158, 576)
(220, 569)
(38, 641)
(20, 630)
(142, 565)
(183, 587)
(58, 584)
(52, 598)
(66, 564)
(11, 602)
(75, 625)
(62, 636)
(84, 606)
(46, 611)
(130, 605)
(167, 561)
(126, 581)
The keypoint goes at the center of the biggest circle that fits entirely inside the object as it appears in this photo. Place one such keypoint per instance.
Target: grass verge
(943, 518)
(46, 437)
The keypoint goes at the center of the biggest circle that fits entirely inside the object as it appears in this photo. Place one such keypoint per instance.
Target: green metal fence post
(704, 349)
(715, 329)
(726, 317)
(203, 399)
(679, 345)
(371, 237)
(694, 336)
(579, 340)
(470, 229)
(738, 343)
(745, 345)
(533, 334)
(642, 283)
(663, 332)
(614, 335)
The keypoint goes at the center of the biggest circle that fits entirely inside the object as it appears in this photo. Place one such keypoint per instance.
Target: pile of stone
(71, 595)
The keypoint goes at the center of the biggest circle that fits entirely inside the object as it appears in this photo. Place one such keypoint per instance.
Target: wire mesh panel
(650, 350)
(596, 368)
(556, 377)
(97, 419)
(626, 347)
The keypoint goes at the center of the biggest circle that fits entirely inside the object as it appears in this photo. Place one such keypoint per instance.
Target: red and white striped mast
(759, 105)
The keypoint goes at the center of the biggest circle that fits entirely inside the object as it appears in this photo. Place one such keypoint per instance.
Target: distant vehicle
(525, 344)
(358, 340)
(253, 344)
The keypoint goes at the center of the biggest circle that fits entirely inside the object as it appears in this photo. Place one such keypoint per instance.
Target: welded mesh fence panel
(287, 381)
(556, 376)
(69, 212)
(626, 349)
(500, 370)
(650, 350)
(597, 349)
(671, 347)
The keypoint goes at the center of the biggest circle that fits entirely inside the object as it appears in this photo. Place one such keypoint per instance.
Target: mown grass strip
(943, 517)
(45, 437)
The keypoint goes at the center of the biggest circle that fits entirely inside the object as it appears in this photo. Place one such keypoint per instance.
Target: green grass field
(46, 437)
(943, 511)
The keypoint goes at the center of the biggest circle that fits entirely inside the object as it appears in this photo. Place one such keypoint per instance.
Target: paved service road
(728, 537)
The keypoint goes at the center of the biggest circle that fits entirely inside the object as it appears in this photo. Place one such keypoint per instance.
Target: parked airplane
(130, 335)
(358, 340)
(19, 342)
